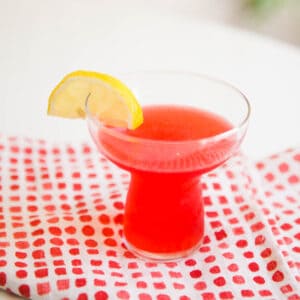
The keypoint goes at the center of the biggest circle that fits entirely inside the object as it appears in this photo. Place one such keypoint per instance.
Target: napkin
(61, 213)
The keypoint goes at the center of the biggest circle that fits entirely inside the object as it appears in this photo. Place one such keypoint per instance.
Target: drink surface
(172, 139)
(179, 123)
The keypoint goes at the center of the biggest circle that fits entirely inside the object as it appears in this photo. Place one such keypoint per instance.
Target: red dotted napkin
(61, 212)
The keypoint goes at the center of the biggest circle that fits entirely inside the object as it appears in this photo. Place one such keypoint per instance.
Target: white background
(41, 41)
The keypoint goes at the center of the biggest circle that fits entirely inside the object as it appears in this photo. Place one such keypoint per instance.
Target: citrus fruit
(101, 95)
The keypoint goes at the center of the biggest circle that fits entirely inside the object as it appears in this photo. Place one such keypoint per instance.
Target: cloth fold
(61, 213)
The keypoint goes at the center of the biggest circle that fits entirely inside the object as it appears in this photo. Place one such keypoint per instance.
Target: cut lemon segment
(101, 95)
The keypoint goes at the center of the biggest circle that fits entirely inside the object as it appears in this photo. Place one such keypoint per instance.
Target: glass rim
(124, 136)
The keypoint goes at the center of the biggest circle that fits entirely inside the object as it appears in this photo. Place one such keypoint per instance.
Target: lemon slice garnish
(109, 99)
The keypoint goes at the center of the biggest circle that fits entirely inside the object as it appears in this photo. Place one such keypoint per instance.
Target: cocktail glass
(164, 213)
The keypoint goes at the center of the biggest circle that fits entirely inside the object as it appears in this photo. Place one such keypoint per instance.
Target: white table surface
(43, 40)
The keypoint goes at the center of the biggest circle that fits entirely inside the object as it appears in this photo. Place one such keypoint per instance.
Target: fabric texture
(61, 213)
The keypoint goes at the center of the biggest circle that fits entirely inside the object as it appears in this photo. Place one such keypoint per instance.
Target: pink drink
(168, 153)
(164, 209)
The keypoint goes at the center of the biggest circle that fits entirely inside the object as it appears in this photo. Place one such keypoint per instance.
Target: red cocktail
(167, 154)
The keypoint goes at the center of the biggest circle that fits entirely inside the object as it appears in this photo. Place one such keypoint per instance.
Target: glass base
(161, 257)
